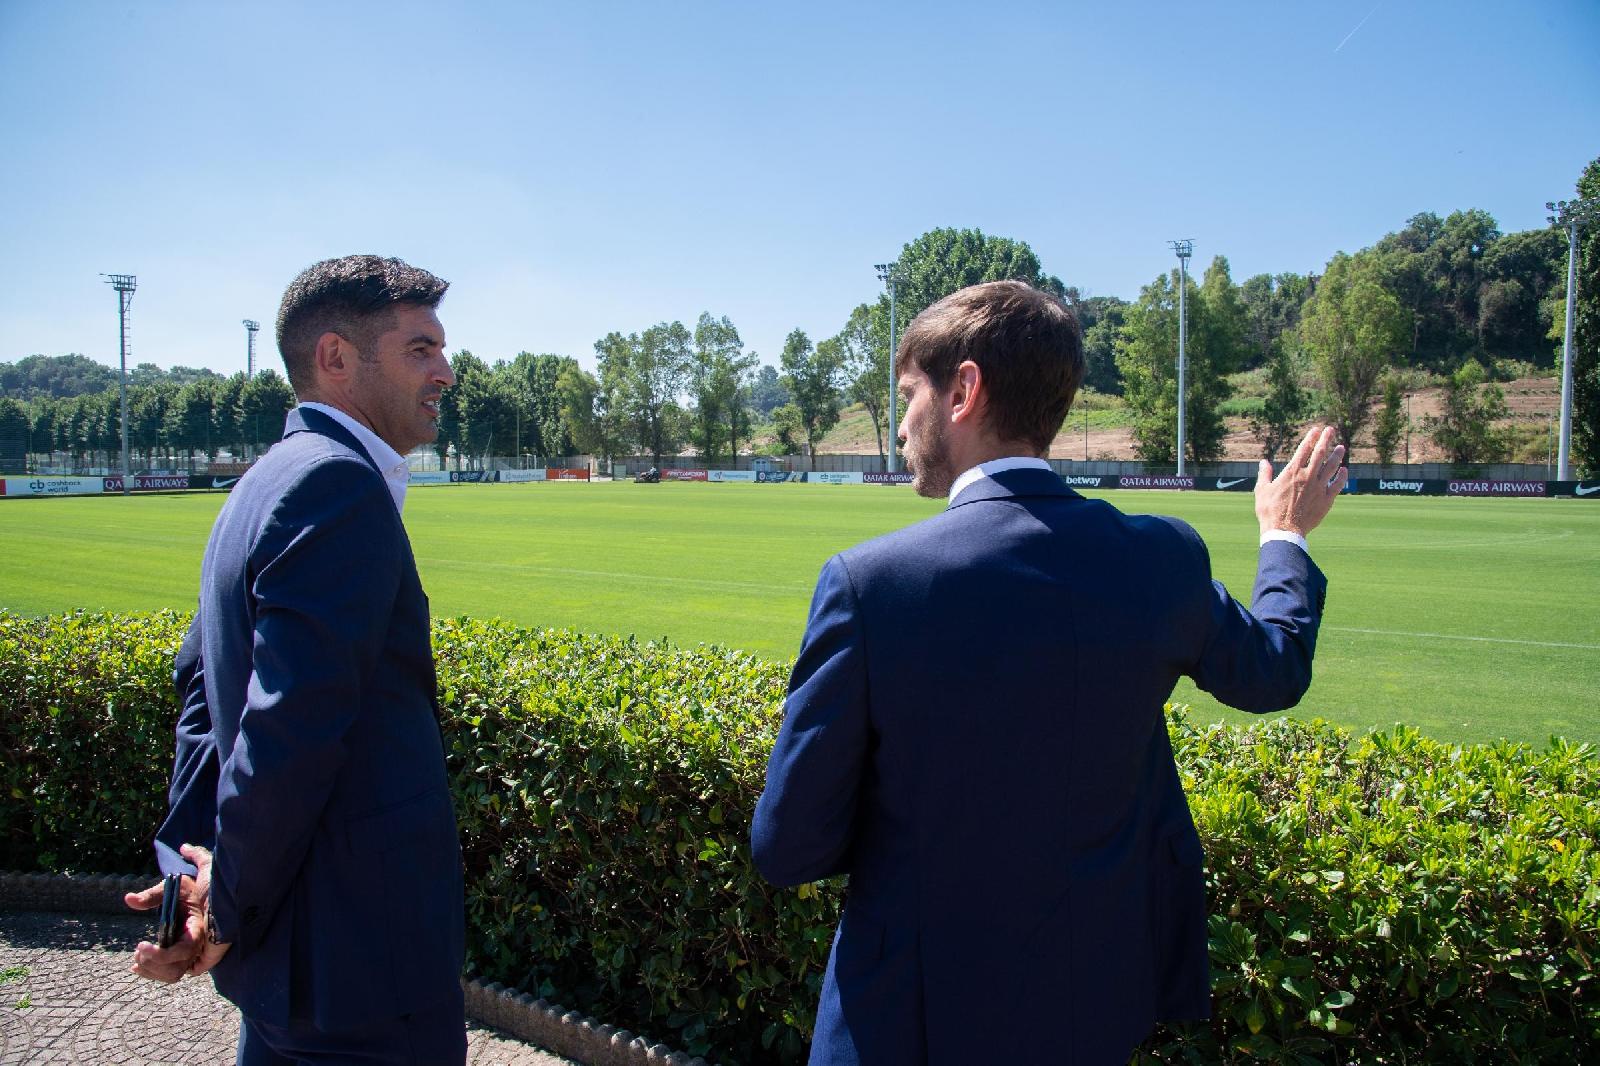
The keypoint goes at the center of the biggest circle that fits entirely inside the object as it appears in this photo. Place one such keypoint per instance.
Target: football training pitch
(1471, 619)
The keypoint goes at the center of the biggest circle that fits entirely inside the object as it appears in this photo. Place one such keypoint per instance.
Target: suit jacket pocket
(1178, 896)
(398, 824)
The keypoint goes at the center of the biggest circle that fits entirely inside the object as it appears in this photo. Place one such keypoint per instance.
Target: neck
(981, 452)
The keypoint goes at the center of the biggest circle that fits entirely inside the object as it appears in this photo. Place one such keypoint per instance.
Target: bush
(1387, 899)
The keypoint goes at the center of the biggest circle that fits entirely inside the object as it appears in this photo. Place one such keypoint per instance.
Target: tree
(1272, 305)
(1353, 327)
(1465, 428)
(1391, 424)
(1147, 355)
(768, 392)
(264, 402)
(1285, 407)
(191, 418)
(14, 433)
(1224, 319)
(592, 411)
(1586, 337)
(647, 374)
(812, 377)
(1101, 318)
(716, 373)
(864, 366)
(941, 261)
(55, 376)
(549, 433)
(789, 426)
(464, 408)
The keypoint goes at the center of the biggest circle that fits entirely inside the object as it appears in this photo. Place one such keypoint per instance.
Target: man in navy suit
(309, 794)
(974, 728)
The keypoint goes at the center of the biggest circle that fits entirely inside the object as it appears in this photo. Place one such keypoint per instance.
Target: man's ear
(335, 357)
(967, 395)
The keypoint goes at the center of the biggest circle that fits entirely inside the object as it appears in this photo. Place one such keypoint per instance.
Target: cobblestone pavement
(67, 996)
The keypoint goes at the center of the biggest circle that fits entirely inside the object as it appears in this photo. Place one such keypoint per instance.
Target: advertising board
(686, 475)
(149, 483)
(429, 477)
(732, 475)
(773, 477)
(566, 473)
(899, 477)
(834, 477)
(518, 476)
(1158, 481)
(471, 477)
(1583, 490)
(1498, 488)
(54, 486)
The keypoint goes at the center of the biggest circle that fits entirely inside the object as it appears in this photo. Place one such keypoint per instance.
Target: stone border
(566, 1032)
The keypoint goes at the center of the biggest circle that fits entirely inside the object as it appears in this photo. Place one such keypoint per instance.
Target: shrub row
(1382, 899)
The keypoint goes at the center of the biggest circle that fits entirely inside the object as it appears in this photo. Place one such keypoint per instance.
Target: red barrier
(566, 473)
(686, 475)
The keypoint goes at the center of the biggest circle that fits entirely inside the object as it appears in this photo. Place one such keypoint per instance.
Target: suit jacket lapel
(1009, 484)
(308, 420)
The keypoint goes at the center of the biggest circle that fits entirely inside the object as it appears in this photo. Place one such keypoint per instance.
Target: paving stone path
(67, 996)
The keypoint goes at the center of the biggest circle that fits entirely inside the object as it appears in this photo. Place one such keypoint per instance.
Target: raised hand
(1299, 498)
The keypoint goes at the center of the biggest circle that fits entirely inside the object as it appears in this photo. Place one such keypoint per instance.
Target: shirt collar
(996, 466)
(394, 466)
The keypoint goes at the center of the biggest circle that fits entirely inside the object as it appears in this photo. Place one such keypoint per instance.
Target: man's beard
(931, 475)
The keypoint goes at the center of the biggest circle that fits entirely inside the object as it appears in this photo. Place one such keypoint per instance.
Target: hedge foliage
(1382, 899)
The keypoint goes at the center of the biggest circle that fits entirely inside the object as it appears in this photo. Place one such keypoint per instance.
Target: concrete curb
(566, 1032)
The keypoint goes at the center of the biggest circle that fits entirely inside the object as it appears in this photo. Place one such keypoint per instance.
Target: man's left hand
(193, 952)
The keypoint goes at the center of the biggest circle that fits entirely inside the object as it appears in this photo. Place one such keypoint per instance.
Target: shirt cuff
(1284, 534)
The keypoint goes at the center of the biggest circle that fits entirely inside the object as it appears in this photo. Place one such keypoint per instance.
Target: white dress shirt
(1028, 462)
(394, 467)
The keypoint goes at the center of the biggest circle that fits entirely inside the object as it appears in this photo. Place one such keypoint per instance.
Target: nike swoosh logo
(1230, 484)
(1581, 491)
(223, 482)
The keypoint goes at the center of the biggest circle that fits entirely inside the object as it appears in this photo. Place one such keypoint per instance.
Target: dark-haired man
(309, 790)
(974, 728)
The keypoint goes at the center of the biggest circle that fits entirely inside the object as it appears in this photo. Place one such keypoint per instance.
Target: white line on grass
(1455, 636)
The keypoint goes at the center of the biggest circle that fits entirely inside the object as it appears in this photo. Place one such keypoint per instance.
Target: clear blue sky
(580, 168)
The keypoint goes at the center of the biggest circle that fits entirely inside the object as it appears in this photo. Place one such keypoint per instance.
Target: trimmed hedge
(1383, 899)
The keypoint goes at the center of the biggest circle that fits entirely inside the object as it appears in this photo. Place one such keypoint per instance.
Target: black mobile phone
(171, 913)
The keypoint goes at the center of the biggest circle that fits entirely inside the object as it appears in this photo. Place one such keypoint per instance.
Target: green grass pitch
(1469, 619)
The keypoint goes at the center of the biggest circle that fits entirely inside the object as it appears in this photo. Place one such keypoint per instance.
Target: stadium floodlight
(1570, 214)
(250, 327)
(124, 284)
(1184, 248)
(889, 274)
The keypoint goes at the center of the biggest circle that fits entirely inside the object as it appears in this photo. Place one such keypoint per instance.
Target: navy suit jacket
(309, 755)
(974, 733)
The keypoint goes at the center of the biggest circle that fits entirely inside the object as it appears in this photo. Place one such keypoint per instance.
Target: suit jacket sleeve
(323, 576)
(1259, 660)
(192, 794)
(805, 820)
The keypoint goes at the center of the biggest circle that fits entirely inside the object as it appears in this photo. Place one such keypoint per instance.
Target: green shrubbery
(1388, 899)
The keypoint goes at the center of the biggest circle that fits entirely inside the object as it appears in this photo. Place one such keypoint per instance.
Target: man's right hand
(193, 952)
(1299, 498)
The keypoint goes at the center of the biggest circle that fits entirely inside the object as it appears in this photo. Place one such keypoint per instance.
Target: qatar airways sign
(1498, 488)
(1144, 481)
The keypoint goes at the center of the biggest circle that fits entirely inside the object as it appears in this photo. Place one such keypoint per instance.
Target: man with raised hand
(309, 790)
(974, 727)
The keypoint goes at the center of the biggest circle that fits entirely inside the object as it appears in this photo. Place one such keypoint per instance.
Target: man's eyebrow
(425, 338)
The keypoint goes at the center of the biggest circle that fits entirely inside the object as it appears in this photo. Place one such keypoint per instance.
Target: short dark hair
(350, 296)
(1027, 344)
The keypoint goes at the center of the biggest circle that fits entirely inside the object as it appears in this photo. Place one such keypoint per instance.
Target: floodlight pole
(250, 327)
(124, 284)
(890, 274)
(1571, 214)
(1184, 248)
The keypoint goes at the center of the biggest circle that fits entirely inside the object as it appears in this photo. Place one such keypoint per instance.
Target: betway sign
(1498, 488)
